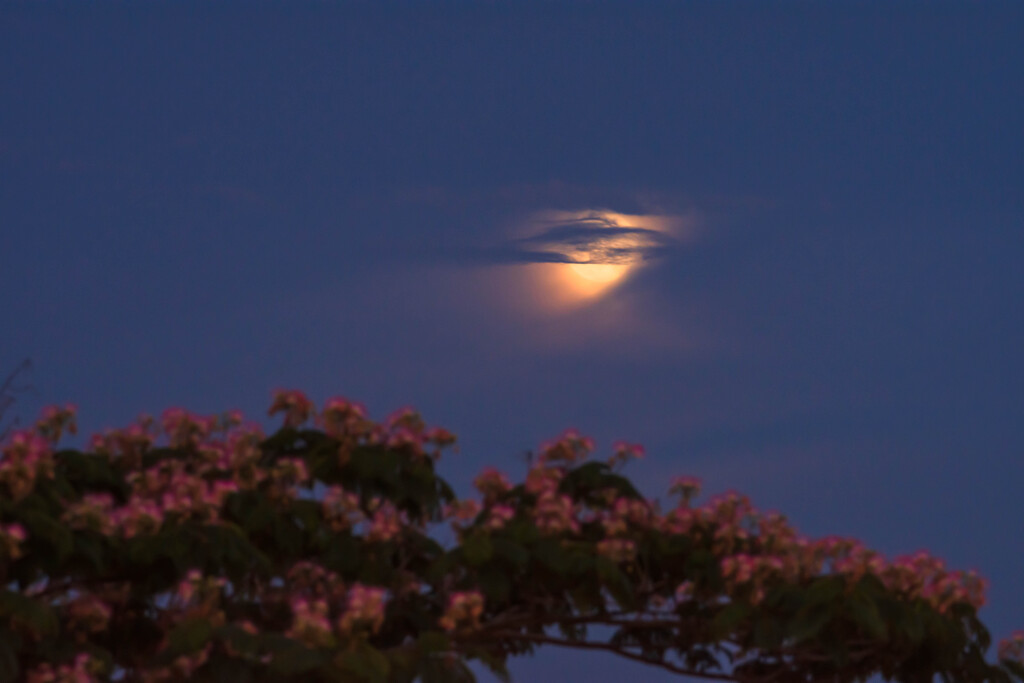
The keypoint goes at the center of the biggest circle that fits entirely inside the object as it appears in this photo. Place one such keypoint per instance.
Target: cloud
(587, 237)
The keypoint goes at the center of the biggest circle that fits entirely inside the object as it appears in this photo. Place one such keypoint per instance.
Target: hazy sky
(777, 243)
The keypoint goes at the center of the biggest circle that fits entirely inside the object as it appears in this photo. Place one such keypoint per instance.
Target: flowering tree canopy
(198, 548)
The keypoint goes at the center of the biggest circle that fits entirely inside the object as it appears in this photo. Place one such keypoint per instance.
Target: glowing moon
(597, 250)
(601, 273)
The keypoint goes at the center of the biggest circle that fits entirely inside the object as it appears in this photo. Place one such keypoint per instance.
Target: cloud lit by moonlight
(577, 257)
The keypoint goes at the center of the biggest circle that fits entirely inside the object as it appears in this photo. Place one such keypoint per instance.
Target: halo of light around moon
(592, 251)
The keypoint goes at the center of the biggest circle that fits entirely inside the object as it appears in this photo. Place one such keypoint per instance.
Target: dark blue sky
(201, 203)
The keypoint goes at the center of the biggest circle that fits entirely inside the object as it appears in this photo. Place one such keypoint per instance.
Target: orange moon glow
(594, 266)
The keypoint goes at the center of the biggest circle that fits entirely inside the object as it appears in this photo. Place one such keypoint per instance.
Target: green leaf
(189, 636)
(495, 584)
(512, 552)
(91, 548)
(239, 639)
(297, 659)
(617, 583)
(1016, 668)
(866, 615)
(477, 549)
(808, 624)
(39, 616)
(767, 633)
(826, 590)
(726, 621)
(440, 670)
(494, 663)
(367, 662)
(551, 554)
(433, 641)
(43, 526)
(9, 668)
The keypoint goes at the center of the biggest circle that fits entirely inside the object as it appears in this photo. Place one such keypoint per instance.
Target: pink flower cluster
(741, 569)
(624, 514)
(346, 421)
(623, 452)
(555, 513)
(127, 444)
(25, 457)
(199, 590)
(11, 537)
(461, 514)
(82, 670)
(922, 576)
(341, 509)
(294, 404)
(88, 614)
(55, 421)
(311, 623)
(366, 606)
(463, 612)
(184, 429)
(498, 516)
(311, 579)
(387, 522)
(617, 549)
(341, 418)
(687, 488)
(492, 484)
(569, 448)
(1012, 648)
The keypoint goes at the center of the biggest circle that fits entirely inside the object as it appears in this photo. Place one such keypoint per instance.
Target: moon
(600, 273)
(602, 251)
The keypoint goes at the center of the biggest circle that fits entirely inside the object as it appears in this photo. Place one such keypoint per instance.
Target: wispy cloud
(588, 237)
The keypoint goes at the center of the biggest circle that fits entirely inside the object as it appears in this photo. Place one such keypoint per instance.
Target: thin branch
(6, 391)
(607, 647)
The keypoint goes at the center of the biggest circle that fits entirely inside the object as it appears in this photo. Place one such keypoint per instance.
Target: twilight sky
(777, 243)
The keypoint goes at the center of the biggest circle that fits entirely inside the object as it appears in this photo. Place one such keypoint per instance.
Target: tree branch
(607, 647)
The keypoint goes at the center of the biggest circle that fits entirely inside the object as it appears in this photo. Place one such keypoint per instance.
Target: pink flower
(309, 578)
(402, 437)
(687, 488)
(462, 513)
(81, 671)
(341, 509)
(617, 549)
(11, 537)
(439, 436)
(1012, 648)
(341, 418)
(569, 448)
(296, 406)
(26, 456)
(684, 591)
(624, 452)
(498, 516)
(184, 429)
(404, 418)
(464, 611)
(492, 483)
(310, 624)
(386, 524)
(365, 607)
(542, 479)
(139, 516)
(55, 420)
(88, 613)
(555, 514)
(93, 512)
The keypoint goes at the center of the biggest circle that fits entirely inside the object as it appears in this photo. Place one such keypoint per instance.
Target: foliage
(202, 549)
